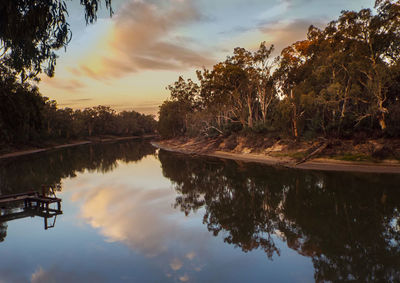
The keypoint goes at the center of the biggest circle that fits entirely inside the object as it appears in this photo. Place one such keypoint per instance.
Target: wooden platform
(17, 197)
(31, 204)
(30, 199)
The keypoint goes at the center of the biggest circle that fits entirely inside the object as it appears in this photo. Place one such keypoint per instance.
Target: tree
(265, 91)
(374, 40)
(171, 118)
(340, 81)
(32, 30)
(292, 72)
(20, 110)
(186, 93)
(240, 87)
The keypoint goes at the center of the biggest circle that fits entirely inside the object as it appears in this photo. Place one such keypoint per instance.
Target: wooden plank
(21, 198)
(44, 199)
(18, 196)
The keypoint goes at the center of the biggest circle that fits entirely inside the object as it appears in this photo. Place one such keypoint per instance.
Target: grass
(355, 157)
(295, 155)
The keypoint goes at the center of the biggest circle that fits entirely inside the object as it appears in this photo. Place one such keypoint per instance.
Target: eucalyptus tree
(171, 119)
(240, 87)
(265, 91)
(20, 111)
(292, 71)
(375, 41)
(186, 95)
(32, 30)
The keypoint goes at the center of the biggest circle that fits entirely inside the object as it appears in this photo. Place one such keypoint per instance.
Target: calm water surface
(135, 214)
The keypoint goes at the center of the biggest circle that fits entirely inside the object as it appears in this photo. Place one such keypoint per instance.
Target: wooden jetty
(31, 204)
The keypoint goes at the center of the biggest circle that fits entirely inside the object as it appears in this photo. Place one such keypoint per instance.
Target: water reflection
(29, 205)
(142, 219)
(348, 224)
(31, 172)
(123, 215)
(124, 220)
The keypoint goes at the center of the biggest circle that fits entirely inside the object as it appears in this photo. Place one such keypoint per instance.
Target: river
(132, 213)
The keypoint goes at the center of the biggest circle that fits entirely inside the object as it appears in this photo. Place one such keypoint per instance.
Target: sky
(126, 61)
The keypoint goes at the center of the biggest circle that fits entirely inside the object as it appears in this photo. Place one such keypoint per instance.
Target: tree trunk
(382, 109)
(294, 122)
(294, 117)
(345, 99)
(249, 105)
(382, 122)
(90, 129)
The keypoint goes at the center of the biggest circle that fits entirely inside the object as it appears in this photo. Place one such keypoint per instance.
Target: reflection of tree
(347, 223)
(30, 172)
(3, 231)
(239, 204)
(46, 170)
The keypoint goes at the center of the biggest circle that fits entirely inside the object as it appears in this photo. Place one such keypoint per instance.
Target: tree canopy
(32, 30)
(339, 81)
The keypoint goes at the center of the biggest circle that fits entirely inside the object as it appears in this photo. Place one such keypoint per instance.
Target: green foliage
(172, 119)
(340, 81)
(27, 117)
(32, 30)
(20, 111)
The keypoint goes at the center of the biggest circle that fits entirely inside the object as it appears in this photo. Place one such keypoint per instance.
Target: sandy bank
(323, 164)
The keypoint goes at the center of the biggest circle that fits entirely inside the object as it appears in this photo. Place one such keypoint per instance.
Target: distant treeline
(26, 116)
(342, 81)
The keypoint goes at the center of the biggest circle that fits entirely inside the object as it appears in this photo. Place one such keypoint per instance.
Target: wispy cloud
(145, 36)
(75, 102)
(70, 85)
(282, 34)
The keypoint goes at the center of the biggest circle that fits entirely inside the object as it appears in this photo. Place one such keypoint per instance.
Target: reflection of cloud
(145, 221)
(129, 216)
(135, 209)
(55, 274)
(143, 37)
(190, 256)
(176, 264)
(38, 275)
(12, 276)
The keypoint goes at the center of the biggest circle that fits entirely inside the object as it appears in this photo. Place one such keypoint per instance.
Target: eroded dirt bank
(372, 156)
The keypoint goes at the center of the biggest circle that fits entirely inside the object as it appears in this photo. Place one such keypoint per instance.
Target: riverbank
(93, 140)
(319, 155)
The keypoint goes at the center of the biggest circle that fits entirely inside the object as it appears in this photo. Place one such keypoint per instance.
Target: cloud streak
(145, 36)
(283, 34)
(71, 85)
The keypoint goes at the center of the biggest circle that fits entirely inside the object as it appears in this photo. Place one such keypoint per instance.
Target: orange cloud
(283, 34)
(69, 84)
(145, 36)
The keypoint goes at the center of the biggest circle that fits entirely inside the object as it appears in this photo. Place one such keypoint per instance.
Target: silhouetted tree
(32, 30)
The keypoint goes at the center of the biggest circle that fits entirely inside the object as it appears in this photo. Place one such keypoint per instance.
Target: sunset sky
(127, 61)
